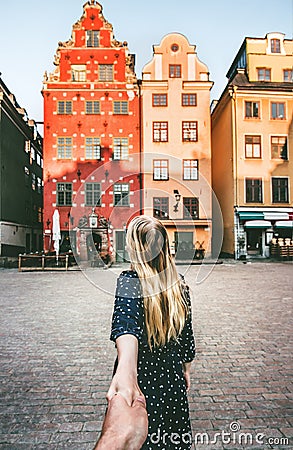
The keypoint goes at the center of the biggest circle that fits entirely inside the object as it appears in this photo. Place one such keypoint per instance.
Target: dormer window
(92, 38)
(275, 46)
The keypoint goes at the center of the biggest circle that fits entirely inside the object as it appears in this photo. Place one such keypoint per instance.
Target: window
(39, 160)
(33, 181)
(252, 110)
(92, 107)
(160, 169)
(64, 194)
(275, 46)
(92, 38)
(92, 148)
(39, 185)
(189, 131)
(160, 100)
(64, 107)
(288, 75)
(27, 176)
(280, 190)
(189, 100)
(120, 148)
(32, 155)
(175, 71)
(190, 169)
(279, 147)
(277, 110)
(160, 131)
(64, 147)
(161, 207)
(106, 72)
(252, 146)
(120, 107)
(40, 215)
(27, 146)
(78, 72)
(191, 208)
(174, 47)
(92, 194)
(253, 189)
(121, 194)
(264, 74)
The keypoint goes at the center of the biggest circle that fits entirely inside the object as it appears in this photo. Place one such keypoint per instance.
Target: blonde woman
(152, 330)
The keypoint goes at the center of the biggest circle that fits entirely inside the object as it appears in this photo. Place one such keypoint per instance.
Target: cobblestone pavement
(56, 358)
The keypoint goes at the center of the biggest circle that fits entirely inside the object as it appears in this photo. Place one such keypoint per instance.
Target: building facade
(21, 161)
(91, 137)
(252, 161)
(177, 145)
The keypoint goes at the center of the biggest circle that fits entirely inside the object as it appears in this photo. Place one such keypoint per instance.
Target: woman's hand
(186, 373)
(125, 383)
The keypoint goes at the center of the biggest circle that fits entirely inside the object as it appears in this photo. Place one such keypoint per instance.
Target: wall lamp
(78, 173)
(177, 196)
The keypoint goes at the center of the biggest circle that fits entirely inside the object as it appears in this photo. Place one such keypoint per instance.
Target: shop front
(256, 229)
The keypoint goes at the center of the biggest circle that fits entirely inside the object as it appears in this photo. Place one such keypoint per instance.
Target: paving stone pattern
(57, 360)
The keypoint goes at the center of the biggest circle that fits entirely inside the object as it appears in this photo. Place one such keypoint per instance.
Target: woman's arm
(125, 378)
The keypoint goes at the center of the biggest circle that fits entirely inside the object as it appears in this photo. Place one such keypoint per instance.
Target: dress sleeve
(128, 307)
(186, 339)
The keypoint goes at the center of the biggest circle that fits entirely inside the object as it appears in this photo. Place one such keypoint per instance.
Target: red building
(91, 136)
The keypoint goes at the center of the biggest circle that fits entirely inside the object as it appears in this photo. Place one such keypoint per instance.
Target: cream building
(252, 151)
(176, 145)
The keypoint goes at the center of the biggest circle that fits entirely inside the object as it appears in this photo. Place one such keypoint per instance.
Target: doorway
(254, 241)
(120, 238)
(184, 248)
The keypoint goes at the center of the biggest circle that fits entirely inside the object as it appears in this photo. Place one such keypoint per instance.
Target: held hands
(125, 383)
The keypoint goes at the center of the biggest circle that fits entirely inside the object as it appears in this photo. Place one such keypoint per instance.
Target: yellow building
(176, 145)
(252, 165)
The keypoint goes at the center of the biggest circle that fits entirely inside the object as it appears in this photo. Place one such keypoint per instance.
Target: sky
(31, 29)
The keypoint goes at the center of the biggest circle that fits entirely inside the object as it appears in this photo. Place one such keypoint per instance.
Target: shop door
(120, 246)
(184, 244)
(254, 241)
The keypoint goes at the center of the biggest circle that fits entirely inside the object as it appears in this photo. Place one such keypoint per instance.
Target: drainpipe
(139, 83)
(232, 91)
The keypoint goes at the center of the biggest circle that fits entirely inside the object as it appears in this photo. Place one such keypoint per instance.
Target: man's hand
(125, 427)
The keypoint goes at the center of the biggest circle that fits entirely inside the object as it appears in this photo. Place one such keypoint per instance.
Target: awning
(284, 224)
(276, 216)
(257, 224)
(250, 215)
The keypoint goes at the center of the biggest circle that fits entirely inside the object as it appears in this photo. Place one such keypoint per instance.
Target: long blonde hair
(165, 305)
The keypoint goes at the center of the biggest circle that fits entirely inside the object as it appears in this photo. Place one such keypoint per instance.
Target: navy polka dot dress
(160, 373)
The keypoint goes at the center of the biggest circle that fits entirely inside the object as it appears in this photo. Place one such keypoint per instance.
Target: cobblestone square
(57, 360)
